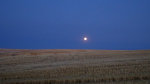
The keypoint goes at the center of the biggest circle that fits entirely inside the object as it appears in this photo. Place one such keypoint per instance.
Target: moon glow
(85, 39)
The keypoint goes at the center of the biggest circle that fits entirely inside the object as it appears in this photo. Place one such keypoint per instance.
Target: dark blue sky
(61, 24)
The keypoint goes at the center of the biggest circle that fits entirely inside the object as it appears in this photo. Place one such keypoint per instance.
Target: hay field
(64, 66)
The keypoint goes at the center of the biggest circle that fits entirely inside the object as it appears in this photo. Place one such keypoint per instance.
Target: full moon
(85, 38)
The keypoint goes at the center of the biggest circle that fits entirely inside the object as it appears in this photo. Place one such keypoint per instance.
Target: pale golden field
(74, 66)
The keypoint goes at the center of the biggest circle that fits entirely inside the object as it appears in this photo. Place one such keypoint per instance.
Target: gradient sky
(62, 24)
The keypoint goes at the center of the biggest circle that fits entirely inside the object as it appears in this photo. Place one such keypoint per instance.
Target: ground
(66, 66)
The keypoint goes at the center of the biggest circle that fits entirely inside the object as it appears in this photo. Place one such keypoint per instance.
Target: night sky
(62, 24)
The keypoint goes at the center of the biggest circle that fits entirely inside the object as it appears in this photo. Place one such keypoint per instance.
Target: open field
(74, 66)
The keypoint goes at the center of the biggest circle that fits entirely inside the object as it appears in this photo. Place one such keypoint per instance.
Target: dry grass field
(74, 66)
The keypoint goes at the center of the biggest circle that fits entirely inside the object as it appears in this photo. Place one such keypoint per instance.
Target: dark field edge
(78, 81)
(81, 49)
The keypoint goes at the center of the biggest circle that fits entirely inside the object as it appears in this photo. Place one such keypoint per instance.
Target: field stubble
(74, 66)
